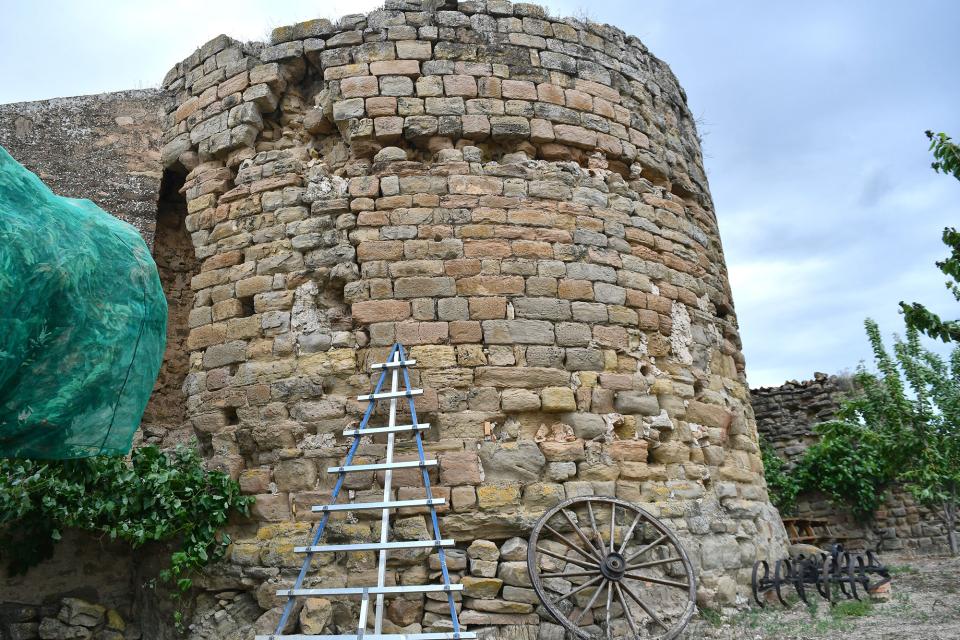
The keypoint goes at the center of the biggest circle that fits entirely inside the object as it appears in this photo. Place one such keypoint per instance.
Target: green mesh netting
(82, 323)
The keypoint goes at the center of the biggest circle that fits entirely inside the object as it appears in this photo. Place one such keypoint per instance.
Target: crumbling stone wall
(786, 417)
(164, 420)
(521, 201)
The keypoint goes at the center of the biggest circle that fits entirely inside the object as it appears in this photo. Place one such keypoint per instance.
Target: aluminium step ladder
(396, 365)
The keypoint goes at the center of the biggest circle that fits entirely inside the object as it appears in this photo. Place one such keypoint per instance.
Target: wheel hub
(613, 566)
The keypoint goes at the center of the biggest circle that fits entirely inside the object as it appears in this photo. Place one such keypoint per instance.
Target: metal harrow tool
(832, 575)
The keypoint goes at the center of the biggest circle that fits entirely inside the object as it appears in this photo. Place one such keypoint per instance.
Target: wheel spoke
(585, 585)
(573, 574)
(653, 563)
(669, 583)
(592, 600)
(613, 523)
(553, 554)
(609, 603)
(593, 525)
(581, 534)
(647, 548)
(570, 544)
(626, 538)
(626, 611)
(643, 605)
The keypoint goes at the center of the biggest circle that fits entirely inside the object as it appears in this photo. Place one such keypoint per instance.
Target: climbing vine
(153, 496)
(782, 485)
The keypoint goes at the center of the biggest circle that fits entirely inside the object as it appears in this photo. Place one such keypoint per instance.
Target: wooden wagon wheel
(606, 569)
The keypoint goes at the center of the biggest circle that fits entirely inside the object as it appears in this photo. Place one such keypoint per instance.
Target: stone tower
(518, 199)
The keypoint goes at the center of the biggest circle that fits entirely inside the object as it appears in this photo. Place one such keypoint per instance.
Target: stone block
(419, 287)
(557, 400)
(460, 467)
(514, 574)
(380, 311)
(511, 461)
(519, 400)
(483, 550)
(518, 332)
(635, 402)
(477, 587)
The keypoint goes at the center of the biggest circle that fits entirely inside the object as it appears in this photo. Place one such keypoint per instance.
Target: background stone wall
(102, 147)
(519, 200)
(105, 148)
(786, 417)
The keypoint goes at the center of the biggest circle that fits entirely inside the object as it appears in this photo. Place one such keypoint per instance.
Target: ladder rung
(376, 546)
(394, 365)
(397, 429)
(374, 591)
(386, 395)
(397, 504)
(382, 465)
(463, 635)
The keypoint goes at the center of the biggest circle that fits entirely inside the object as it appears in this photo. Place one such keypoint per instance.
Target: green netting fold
(82, 323)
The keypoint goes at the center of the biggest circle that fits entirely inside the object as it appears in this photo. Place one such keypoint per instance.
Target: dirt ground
(924, 604)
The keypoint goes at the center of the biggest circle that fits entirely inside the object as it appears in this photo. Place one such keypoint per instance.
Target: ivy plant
(782, 486)
(153, 496)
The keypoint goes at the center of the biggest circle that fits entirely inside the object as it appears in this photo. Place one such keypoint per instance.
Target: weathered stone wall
(105, 148)
(520, 201)
(102, 147)
(786, 417)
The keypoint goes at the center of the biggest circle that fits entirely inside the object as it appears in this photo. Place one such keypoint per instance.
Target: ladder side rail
(288, 607)
(429, 494)
(387, 491)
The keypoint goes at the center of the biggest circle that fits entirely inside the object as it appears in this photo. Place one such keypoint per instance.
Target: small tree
(933, 472)
(860, 453)
(903, 424)
(946, 154)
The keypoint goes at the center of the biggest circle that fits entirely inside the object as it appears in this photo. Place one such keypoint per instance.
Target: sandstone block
(315, 615)
(460, 467)
(496, 496)
(709, 415)
(380, 311)
(562, 451)
(395, 68)
(483, 550)
(518, 400)
(557, 400)
(418, 287)
(460, 85)
(476, 587)
(518, 332)
(511, 461)
(634, 402)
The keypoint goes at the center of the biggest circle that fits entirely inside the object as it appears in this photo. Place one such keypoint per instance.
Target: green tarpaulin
(82, 323)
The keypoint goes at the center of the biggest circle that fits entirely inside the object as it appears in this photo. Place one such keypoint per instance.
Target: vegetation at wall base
(782, 486)
(153, 496)
(901, 425)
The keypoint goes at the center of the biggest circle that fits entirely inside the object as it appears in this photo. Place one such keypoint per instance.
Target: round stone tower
(520, 200)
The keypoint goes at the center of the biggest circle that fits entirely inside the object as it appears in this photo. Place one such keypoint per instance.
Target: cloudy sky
(812, 115)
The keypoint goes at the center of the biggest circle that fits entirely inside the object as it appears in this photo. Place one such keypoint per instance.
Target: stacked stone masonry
(786, 418)
(521, 201)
